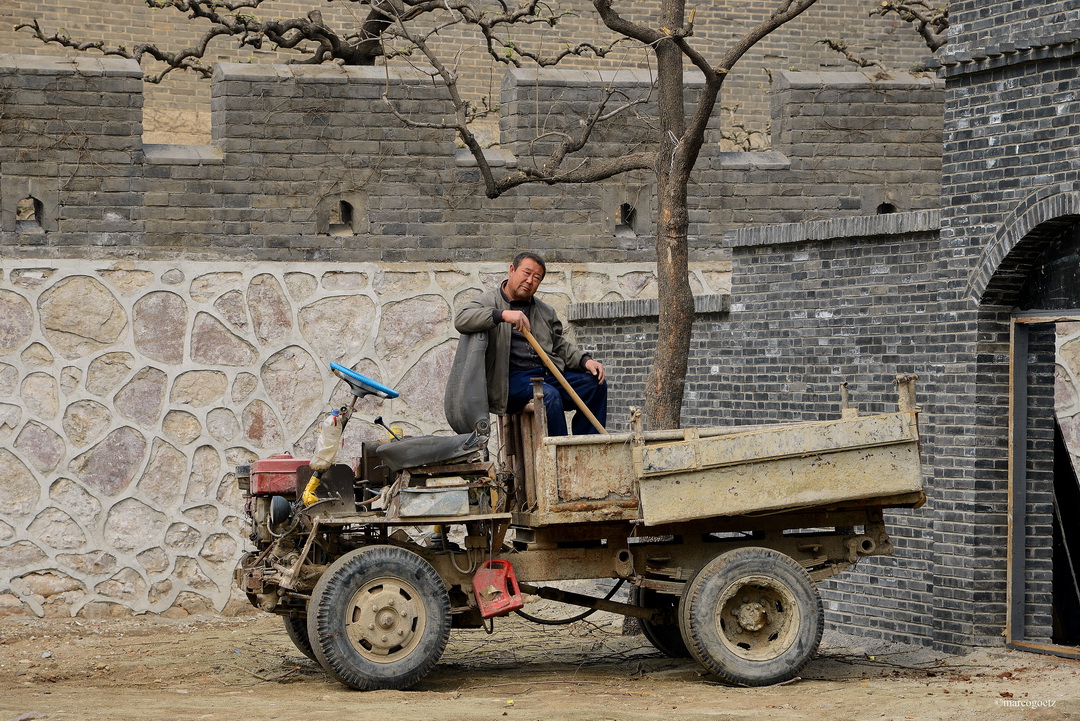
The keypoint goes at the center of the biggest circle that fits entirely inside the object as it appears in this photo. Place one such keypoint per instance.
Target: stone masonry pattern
(131, 392)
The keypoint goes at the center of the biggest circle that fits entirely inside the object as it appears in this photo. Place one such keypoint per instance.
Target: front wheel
(379, 618)
(752, 616)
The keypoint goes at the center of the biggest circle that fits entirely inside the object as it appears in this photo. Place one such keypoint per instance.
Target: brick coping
(864, 226)
(643, 308)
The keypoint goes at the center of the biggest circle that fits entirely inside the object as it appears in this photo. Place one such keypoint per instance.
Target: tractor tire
(379, 618)
(296, 630)
(752, 617)
(666, 638)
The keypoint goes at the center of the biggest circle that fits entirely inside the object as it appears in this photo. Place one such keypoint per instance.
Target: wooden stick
(563, 382)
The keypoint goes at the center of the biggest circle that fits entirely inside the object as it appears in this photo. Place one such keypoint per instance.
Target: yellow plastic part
(309, 498)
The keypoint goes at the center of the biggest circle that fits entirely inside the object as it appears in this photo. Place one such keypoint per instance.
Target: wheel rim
(757, 618)
(386, 620)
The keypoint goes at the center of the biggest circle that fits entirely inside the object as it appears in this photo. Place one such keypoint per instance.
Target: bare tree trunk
(667, 380)
(664, 389)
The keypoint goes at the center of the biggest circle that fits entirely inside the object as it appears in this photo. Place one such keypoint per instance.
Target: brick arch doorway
(1039, 280)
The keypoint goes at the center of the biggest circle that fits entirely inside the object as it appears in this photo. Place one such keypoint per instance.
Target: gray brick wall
(816, 302)
(180, 105)
(980, 29)
(82, 166)
(1009, 183)
(812, 306)
(291, 144)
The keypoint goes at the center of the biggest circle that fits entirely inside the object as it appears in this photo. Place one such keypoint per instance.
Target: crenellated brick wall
(294, 145)
(180, 106)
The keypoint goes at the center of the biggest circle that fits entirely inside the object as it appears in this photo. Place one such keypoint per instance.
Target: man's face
(524, 279)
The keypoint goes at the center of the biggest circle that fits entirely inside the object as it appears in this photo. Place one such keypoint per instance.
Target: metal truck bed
(663, 477)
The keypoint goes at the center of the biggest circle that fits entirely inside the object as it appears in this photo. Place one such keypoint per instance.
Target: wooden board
(762, 443)
(779, 484)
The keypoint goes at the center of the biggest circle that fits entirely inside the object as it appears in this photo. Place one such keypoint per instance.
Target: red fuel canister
(496, 587)
(275, 475)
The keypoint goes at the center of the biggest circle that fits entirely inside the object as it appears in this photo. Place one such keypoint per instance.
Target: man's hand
(596, 368)
(517, 319)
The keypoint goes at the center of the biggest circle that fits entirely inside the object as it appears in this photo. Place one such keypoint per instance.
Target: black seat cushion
(425, 450)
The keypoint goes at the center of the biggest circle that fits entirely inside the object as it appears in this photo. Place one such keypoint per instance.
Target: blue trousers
(557, 400)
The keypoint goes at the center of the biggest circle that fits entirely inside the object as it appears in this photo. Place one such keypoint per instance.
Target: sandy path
(247, 669)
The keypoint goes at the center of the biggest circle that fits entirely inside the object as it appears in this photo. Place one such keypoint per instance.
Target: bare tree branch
(589, 171)
(622, 26)
(841, 47)
(505, 50)
(787, 10)
(931, 22)
(234, 19)
(572, 143)
(689, 145)
(184, 60)
(550, 171)
(461, 109)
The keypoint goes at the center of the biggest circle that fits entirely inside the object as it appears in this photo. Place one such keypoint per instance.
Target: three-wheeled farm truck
(721, 533)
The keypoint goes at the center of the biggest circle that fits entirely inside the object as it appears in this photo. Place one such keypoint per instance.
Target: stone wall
(132, 389)
(849, 298)
(178, 110)
(165, 310)
(1067, 387)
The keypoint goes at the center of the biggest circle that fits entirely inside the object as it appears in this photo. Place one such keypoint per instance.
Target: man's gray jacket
(476, 317)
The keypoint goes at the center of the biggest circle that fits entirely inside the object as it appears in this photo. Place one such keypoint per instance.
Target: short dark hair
(529, 255)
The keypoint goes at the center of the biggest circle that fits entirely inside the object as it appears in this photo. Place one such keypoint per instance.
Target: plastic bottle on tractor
(327, 442)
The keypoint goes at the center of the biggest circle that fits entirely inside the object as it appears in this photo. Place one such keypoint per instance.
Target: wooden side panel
(767, 485)
(582, 483)
(594, 472)
(772, 443)
(747, 471)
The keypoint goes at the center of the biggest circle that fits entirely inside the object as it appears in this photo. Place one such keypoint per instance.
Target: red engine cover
(275, 475)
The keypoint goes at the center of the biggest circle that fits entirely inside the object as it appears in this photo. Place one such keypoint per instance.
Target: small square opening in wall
(342, 215)
(625, 220)
(28, 214)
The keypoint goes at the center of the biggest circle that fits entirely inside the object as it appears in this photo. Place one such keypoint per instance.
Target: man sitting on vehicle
(511, 361)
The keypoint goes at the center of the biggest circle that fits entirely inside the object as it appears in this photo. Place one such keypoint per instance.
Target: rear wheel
(665, 637)
(296, 630)
(379, 618)
(752, 616)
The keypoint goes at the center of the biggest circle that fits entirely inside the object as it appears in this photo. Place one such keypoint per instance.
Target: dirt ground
(246, 668)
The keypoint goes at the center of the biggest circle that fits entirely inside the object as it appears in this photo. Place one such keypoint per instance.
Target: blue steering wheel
(361, 385)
